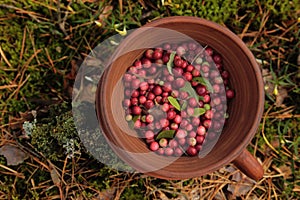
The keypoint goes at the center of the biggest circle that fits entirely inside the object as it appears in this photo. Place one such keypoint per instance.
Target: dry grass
(274, 42)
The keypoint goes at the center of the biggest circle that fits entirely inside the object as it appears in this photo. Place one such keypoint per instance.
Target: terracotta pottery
(245, 109)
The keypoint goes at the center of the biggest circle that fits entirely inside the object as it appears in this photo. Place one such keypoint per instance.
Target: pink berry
(177, 119)
(154, 146)
(173, 143)
(201, 130)
(149, 135)
(178, 152)
(229, 94)
(169, 151)
(136, 110)
(181, 134)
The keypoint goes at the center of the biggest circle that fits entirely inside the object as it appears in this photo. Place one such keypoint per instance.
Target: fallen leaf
(241, 186)
(107, 194)
(55, 177)
(282, 94)
(13, 155)
(104, 15)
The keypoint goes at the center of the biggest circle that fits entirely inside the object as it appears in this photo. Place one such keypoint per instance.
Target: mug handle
(249, 165)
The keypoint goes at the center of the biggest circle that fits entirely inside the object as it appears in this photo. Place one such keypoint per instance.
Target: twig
(4, 57)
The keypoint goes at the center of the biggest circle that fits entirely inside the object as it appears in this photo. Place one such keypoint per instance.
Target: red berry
(217, 58)
(136, 110)
(181, 134)
(146, 63)
(149, 118)
(201, 130)
(196, 121)
(164, 123)
(193, 102)
(188, 76)
(149, 104)
(151, 70)
(149, 135)
(190, 68)
(151, 96)
(171, 114)
(207, 123)
(149, 53)
(180, 50)
(174, 126)
(165, 107)
(191, 151)
(173, 143)
(134, 101)
(192, 134)
(229, 94)
(154, 146)
(177, 119)
(157, 90)
(165, 58)
(179, 82)
(169, 151)
(135, 83)
(178, 152)
(225, 74)
(200, 139)
(201, 90)
(208, 114)
(126, 103)
(157, 54)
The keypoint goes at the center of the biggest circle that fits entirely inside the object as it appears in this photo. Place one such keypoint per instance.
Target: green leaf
(198, 112)
(189, 89)
(131, 123)
(184, 105)
(170, 62)
(166, 134)
(174, 102)
(136, 117)
(204, 82)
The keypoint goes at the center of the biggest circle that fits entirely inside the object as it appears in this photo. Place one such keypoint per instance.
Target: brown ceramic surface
(245, 109)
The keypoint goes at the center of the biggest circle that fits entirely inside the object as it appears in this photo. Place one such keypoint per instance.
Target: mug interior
(244, 110)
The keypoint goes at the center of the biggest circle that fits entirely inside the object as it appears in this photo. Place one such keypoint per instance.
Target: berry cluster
(174, 94)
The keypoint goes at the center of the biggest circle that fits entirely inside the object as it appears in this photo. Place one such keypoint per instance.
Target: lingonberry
(157, 54)
(177, 119)
(149, 118)
(193, 102)
(154, 146)
(157, 90)
(174, 126)
(149, 104)
(207, 123)
(134, 101)
(163, 142)
(229, 94)
(201, 130)
(191, 151)
(178, 151)
(169, 151)
(181, 134)
(201, 90)
(173, 143)
(192, 141)
(188, 76)
(149, 134)
(146, 63)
